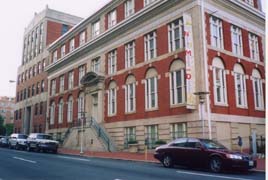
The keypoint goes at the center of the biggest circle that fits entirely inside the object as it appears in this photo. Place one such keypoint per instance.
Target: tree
(9, 129)
(2, 128)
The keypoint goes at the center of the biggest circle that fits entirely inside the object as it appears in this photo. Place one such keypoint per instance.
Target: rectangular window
(130, 96)
(254, 47)
(41, 108)
(147, 2)
(177, 87)
(55, 56)
(62, 51)
(151, 96)
(175, 35)
(39, 68)
(33, 90)
(60, 111)
(178, 130)
(70, 80)
(82, 71)
(216, 32)
(61, 83)
(41, 37)
(219, 82)
(96, 29)
(130, 135)
(42, 86)
(53, 87)
(112, 101)
(240, 90)
(150, 45)
(112, 62)
(129, 8)
(130, 54)
(237, 45)
(82, 38)
(95, 65)
(64, 29)
(70, 110)
(52, 113)
(112, 19)
(258, 93)
(151, 135)
(72, 45)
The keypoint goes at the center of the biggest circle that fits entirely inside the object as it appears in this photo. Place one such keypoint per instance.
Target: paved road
(21, 165)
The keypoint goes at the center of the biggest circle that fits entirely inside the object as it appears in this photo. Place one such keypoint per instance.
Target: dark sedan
(202, 153)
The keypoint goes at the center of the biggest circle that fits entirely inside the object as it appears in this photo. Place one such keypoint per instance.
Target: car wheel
(167, 161)
(28, 148)
(215, 164)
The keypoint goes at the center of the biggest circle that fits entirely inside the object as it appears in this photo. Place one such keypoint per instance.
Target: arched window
(52, 113)
(81, 105)
(112, 99)
(219, 81)
(240, 86)
(177, 82)
(130, 94)
(151, 95)
(70, 109)
(257, 89)
(60, 113)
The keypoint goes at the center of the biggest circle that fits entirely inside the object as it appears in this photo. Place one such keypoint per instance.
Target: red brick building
(136, 65)
(31, 91)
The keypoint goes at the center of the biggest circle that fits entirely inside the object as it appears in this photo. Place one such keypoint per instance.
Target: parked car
(41, 142)
(4, 141)
(17, 141)
(207, 153)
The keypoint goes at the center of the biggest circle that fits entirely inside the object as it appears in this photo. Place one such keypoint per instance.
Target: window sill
(153, 109)
(242, 107)
(178, 105)
(111, 115)
(129, 113)
(221, 104)
(259, 109)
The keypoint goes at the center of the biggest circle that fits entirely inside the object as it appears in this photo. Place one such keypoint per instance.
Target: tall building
(31, 90)
(7, 105)
(158, 70)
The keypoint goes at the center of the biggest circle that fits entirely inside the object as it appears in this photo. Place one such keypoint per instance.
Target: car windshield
(44, 136)
(209, 144)
(21, 136)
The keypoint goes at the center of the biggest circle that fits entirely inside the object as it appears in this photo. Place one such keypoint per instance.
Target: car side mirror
(199, 146)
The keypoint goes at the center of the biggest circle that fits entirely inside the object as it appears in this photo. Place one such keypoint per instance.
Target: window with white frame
(178, 130)
(151, 95)
(254, 46)
(112, 60)
(237, 45)
(175, 35)
(96, 28)
(112, 19)
(95, 65)
(257, 90)
(62, 51)
(39, 67)
(250, 2)
(130, 94)
(150, 45)
(130, 134)
(55, 56)
(216, 32)
(81, 105)
(72, 45)
(52, 113)
(82, 71)
(62, 83)
(70, 109)
(130, 54)
(177, 83)
(82, 38)
(219, 81)
(147, 2)
(53, 87)
(112, 99)
(60, 112)
(151, 135)
(240, 86)
(129, 8)
(41, 37)
(70, 80)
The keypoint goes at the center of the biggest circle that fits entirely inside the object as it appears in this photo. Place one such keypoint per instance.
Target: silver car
(17, 141)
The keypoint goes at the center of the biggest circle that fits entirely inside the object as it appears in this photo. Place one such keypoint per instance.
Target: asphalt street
(21, 165)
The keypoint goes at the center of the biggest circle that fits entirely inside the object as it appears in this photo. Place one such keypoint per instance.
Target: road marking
(210, 175)
(79, 159)
(26, 160)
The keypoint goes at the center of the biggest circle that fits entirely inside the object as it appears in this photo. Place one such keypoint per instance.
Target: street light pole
(82, 132)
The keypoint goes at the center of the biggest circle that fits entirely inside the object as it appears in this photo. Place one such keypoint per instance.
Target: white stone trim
(237, 119)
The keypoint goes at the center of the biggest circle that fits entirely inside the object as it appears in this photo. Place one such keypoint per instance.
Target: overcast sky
(15, 15)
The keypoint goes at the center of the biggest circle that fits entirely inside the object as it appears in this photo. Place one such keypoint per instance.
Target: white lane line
(72, 158)
(210, 175)
(26, 160)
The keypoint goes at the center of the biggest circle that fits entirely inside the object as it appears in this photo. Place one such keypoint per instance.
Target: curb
(135, 160)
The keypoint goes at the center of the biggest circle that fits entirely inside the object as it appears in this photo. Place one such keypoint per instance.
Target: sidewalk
(133, 156)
